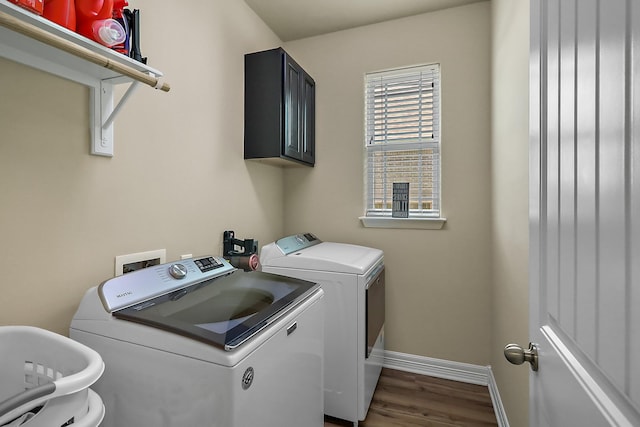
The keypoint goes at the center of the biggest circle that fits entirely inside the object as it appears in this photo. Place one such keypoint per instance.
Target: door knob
(518, 355)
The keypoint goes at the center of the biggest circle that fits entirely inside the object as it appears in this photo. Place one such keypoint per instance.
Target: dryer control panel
(297, 242)
(147, 283)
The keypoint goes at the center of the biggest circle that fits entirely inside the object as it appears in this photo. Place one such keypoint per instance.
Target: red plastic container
(35, 6)
(62, 12)
(118, 7)
(88, 11)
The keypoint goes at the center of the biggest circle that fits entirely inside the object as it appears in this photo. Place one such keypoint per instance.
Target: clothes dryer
(353, 280)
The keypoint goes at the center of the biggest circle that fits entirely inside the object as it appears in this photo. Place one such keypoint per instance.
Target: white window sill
(415, 223)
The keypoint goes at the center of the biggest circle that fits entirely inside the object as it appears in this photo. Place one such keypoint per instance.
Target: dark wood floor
(403, 399)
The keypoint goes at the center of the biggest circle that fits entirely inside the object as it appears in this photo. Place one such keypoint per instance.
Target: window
(402, 140)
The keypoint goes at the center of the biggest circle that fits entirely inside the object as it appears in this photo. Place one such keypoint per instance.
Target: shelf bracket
(102, 105)
(132, 88)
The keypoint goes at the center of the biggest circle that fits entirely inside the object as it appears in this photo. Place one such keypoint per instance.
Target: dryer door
(374, 310)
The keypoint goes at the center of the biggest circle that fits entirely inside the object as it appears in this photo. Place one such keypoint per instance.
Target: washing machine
(353, 281)
(199, 343)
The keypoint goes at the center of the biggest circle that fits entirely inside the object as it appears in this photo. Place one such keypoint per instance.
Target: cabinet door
(308, 130)
(292, 93)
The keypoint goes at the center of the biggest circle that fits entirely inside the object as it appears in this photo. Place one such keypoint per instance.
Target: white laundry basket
(45, 379)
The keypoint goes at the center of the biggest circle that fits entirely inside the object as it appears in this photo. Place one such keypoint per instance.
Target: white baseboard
(447, 369)
(498, 408)
(450, 370)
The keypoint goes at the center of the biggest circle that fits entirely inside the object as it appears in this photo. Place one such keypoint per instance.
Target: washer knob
(178, 271)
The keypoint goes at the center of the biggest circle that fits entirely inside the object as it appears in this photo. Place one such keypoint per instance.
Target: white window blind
(402, 139)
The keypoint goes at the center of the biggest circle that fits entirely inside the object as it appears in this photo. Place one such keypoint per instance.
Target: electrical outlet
(132, 262)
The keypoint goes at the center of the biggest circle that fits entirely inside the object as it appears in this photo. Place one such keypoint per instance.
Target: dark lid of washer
(224, 311)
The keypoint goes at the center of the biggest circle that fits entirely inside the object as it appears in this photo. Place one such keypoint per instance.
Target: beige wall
(177, 181)
(510, 196)
(438, 282)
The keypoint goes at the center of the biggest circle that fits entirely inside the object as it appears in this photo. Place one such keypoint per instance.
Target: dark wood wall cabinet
(279, 109)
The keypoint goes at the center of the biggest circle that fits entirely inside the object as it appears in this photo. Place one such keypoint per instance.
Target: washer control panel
(147, 283)
(208, 264)
(297, 242)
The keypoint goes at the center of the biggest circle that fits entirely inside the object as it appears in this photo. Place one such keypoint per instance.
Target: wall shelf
(27, 39)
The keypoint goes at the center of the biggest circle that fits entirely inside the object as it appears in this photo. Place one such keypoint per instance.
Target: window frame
(381, 138)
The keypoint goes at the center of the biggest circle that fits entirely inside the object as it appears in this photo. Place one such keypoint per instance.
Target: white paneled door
(585, 212)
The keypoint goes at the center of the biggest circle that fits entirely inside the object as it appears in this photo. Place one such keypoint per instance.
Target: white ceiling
(296, 19)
